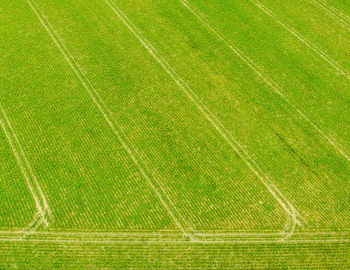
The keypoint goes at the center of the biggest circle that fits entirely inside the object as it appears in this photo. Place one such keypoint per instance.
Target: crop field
(174, 134)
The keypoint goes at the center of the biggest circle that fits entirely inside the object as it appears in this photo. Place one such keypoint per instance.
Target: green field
(174, 134)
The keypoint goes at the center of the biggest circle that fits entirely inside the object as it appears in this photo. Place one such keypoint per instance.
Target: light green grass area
(17, 207)
(164, 125)
(159, 256)
(174, 134)
(75, 156)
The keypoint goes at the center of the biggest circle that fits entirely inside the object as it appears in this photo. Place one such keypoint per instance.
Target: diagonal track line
(31, 181)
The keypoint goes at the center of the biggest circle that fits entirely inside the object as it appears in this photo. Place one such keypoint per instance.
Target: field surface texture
(174, 134)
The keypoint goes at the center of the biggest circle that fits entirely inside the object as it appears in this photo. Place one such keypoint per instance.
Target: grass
(158, 124)
(14, 192)
(175, 256)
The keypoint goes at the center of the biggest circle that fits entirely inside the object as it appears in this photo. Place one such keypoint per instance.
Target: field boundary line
(157, 233)
(40, 201)
(265, 78)
(286, 205)
(300, 37)
(161, 237)
(189, 242)
(333, 12)
(106, 114)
